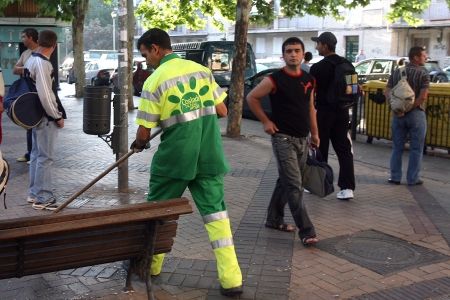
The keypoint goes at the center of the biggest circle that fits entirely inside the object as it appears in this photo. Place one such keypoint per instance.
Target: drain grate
(379, 252)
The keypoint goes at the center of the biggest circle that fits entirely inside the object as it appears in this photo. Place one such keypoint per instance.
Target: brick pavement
(275, 265)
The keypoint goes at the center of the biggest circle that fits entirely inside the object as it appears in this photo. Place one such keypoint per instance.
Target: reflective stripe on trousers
(219, 231)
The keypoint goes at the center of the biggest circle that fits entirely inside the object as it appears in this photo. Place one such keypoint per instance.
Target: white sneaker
(346, 194)
(31, 199)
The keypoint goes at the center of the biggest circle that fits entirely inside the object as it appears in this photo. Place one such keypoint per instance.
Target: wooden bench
(74, 239)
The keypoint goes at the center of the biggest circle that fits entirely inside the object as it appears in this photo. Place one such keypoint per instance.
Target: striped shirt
(417, 77)
(40, 72)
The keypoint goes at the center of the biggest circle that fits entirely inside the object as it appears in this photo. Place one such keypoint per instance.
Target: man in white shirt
(361, 56)
(29, 38)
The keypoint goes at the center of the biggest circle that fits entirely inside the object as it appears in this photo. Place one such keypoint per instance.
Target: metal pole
(123, 108)
(114, 33)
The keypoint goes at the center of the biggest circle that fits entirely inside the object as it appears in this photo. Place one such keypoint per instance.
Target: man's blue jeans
(290, 153)
(414, 126)
(42, 155)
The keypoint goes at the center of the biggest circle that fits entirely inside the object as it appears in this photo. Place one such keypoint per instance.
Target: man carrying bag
(317, 174)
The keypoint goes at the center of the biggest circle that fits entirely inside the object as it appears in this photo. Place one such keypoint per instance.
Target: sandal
(282, 227)
(309, 241)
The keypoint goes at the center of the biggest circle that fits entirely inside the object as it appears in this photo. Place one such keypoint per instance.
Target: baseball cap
(326, 38)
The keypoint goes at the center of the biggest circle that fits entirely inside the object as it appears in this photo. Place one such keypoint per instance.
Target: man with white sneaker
(333, 120)
(45, 134)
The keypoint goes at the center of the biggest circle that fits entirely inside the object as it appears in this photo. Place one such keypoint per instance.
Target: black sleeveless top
(290, 102)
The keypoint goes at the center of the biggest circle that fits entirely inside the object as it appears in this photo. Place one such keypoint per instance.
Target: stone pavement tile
(79, 288)
(351, 293)
(80, 271)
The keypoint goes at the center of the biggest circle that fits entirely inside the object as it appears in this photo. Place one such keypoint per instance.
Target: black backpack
(343, 91)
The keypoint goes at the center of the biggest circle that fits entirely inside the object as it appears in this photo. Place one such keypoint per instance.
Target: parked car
(265, 101)
(71, 77)
(436, 73)
(98, 73)
(271, 62)
(447, 71)
(382, 68)
(217, 56)
(64, 69)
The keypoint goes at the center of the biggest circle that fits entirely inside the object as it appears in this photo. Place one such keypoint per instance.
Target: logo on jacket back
(190, 100)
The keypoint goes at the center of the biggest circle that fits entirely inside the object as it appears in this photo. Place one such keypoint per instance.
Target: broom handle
(103, 174)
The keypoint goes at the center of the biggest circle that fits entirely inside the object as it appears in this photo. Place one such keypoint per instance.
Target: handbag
(402, 95)
(317, 175)
(22, 103)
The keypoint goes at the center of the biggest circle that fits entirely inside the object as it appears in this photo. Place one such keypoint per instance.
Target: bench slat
(81, 214)
(51, 243)
(85, 237)
(71, 225)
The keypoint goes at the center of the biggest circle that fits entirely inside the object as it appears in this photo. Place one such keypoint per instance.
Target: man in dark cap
(332, 119)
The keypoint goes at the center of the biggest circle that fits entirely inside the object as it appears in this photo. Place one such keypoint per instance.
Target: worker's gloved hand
(137, 148)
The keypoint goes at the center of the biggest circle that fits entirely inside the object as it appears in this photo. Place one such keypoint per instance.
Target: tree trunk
(236, 92)
(78, 45)
(130, 27)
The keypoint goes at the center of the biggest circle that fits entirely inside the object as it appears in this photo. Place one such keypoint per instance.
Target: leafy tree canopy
(60, 10)
(168, 14)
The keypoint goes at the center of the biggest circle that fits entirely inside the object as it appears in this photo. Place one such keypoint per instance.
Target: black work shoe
(391, 181)
(231, 292)
(418, 182)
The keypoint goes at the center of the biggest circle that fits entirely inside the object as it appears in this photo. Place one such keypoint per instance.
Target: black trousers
(333, 126)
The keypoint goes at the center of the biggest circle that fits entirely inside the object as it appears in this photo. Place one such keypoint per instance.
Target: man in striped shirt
(412, 124)
(44, 135)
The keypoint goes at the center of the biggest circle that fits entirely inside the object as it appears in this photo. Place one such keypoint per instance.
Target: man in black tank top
(291, 93)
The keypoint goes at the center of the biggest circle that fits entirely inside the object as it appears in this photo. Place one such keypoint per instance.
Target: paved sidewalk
(390, 242)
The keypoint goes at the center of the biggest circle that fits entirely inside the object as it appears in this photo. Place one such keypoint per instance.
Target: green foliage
(100, 10)
(97, 36)
(320, 8)
(168, 14)
(409, 11)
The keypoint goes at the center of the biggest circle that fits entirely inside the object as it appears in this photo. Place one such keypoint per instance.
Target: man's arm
(422, 97)
(425, 85)
(18, 68)
(254, 103)
(313, 122)
(44, 89)
(221, 110)
(142, 138)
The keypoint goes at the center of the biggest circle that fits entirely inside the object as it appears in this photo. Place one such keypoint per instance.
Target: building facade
(16, 17)
(360, 28)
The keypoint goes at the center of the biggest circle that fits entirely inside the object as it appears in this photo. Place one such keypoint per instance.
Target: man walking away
(306, 66)
(182, 98)
(293, 116)
(44, 135)
(412, 124)
(332, 119)
(29, 38)
(361, 56)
